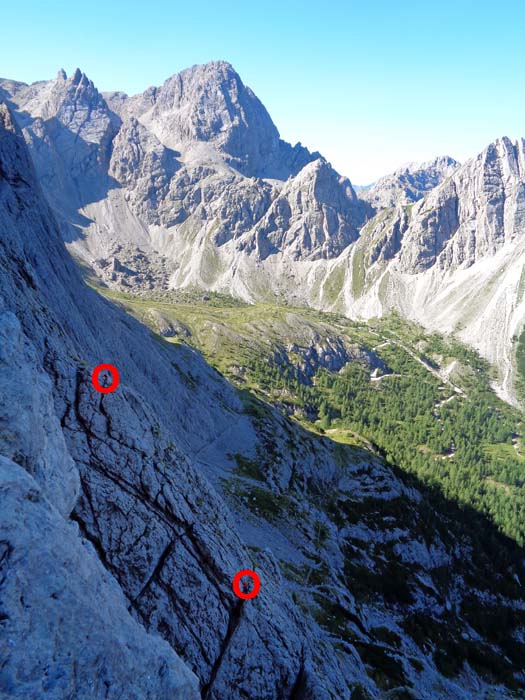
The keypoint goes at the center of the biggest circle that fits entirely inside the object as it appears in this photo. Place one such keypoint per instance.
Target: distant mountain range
(189, 184)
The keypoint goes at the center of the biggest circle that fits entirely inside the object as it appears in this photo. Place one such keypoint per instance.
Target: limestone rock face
(490, 204)
(454, 259)
(468, 217)
(210, 104)
(30, 432)
(70, 129)
(66, 629)
(326, 350)
(144, 167)
(315, 215)
(159, 546)
(57, 428)
(197, 159)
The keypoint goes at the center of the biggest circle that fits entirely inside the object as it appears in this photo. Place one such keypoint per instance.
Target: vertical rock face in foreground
(65, 625)
(131, 533)
(66, 629)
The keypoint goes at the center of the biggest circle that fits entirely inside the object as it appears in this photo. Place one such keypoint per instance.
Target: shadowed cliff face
(69, 129)
(66, 627)
(137, 511)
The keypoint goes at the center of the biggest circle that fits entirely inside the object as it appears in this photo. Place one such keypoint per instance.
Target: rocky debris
(139, 272)
(409, 183)
(331, 353)
(167, 326)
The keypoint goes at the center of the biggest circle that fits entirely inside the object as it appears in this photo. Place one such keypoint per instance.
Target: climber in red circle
(96, 383)
(244, 593)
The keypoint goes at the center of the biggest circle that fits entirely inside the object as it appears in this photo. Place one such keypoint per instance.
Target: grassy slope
(519, 359)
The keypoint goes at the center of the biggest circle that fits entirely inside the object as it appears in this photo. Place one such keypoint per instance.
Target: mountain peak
(409, 183)
(441, 162)
(504, 147)
(79, 78)
(210, 103)
(210, 68)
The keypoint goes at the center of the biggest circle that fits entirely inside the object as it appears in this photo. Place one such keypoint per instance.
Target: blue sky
(369, 84)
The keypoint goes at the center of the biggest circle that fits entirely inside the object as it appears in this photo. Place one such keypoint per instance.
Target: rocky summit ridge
(129, 513)
(209, 103)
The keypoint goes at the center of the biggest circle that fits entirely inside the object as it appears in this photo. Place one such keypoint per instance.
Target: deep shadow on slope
(460, 602)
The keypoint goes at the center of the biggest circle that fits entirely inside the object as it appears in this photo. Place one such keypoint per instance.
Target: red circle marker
(114, 384)
(237, 584)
